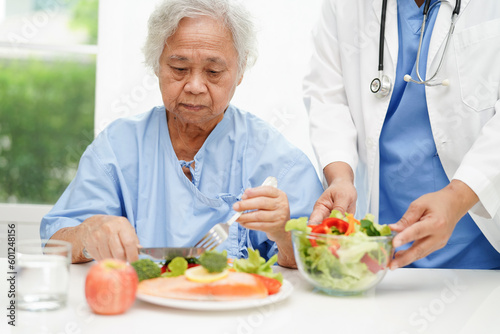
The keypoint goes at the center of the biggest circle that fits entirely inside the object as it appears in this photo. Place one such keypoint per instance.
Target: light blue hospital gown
(131, 170)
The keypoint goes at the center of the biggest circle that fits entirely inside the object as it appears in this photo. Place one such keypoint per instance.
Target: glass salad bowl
(342, 265)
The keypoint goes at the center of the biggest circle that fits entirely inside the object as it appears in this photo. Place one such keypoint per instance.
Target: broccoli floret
(213, 261)
(176, 267)
(146, 269)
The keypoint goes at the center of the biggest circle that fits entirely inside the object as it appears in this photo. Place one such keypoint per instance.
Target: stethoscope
(382, 85)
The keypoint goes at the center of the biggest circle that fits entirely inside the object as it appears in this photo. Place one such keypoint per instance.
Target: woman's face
(198, 71)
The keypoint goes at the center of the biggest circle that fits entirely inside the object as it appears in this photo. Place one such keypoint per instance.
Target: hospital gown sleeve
(94, 190)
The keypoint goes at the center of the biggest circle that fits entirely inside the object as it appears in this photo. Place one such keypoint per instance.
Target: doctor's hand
(106, 236)
(340, 195)
(430, 221)
(270, 213)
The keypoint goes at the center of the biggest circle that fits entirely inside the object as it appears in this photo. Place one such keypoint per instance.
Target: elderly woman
(165, 177)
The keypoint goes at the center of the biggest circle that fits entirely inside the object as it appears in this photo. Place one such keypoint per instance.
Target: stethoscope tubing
(383, 78)
(382, 36)
(427, 9)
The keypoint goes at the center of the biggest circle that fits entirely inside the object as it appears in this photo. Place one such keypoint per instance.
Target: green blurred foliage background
(46, 122)
(85, 16)
(46, 116)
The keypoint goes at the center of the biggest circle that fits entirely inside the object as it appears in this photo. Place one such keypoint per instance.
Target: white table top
(406, 301)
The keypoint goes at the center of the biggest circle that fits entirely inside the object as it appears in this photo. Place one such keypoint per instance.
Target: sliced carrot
(350, 217)
(352, 221)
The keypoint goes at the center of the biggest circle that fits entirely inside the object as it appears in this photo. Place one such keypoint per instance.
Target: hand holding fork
(270, 213)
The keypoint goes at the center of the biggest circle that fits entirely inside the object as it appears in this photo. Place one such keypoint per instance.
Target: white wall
(271, 89)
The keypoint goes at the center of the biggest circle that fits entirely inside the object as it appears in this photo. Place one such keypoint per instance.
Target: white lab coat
(346, 118)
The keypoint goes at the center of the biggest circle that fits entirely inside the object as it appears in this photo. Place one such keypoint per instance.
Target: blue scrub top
(409, 163)
(131, 170)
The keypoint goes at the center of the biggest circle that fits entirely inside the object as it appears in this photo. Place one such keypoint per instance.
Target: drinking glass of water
(42, 274)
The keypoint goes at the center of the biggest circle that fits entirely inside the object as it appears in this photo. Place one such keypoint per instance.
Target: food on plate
(341, 254)
(272, 285)
(255, 264)
(146, 269)
(191, 262)
(202, 275)
(234, 286)
(176, 267)
(214, 280)
(213, 261)
(110, 287)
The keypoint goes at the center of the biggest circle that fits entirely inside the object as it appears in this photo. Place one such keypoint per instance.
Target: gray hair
(165, 19)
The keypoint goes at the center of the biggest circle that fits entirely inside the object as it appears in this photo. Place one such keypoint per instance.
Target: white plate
(285, 291)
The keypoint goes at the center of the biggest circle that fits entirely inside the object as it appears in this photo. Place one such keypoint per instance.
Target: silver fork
(219, 233)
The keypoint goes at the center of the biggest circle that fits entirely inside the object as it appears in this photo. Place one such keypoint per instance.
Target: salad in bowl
(341, 255)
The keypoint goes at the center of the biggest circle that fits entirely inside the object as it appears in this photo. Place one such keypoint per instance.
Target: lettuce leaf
(299, 224)
(177, 267)
(353, 262)
(373, 229)
(329, 271)
(337, 214)
(255, 264)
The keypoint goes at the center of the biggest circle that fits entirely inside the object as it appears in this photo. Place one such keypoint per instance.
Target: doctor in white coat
(424, 158)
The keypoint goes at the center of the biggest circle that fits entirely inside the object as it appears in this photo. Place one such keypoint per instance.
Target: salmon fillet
(235, 286)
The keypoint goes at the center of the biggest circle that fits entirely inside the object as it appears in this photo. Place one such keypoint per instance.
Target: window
(47, 88)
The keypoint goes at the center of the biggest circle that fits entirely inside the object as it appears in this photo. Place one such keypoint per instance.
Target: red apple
(110, 286)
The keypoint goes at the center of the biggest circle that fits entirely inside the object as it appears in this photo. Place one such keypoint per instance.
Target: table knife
(168, 253)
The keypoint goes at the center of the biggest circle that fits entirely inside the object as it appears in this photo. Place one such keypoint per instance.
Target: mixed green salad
(213, 261)
(351, 263)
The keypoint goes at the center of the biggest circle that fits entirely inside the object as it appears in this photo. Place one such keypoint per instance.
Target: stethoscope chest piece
(381, 87)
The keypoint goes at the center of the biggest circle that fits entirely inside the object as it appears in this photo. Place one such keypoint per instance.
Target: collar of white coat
(440, 31)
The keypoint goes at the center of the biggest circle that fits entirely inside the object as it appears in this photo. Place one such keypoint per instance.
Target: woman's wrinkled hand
(270, 212)
(106, 236)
